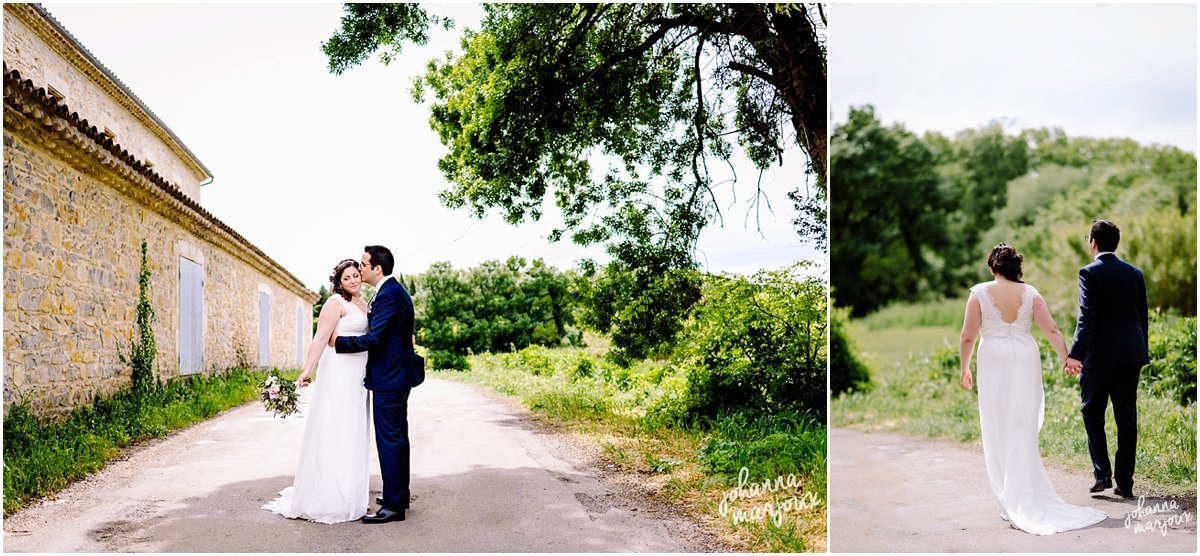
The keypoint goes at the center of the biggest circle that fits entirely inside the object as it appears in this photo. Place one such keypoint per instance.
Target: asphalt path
(484, 478)
(896, 493)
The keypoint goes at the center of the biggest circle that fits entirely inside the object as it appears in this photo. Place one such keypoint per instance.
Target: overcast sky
(247, 89)
(1112, 70)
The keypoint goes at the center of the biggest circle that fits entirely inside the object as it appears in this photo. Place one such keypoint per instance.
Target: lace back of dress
(991, 314)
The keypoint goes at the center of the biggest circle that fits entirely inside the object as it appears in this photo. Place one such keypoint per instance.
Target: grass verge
(41, 457)
(626, 413)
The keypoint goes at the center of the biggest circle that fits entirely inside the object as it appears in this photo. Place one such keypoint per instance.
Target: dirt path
(894, 493)
(483, 478)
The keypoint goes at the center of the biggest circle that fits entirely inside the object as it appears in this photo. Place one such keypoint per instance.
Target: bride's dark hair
(336, 278)
(1005, 261)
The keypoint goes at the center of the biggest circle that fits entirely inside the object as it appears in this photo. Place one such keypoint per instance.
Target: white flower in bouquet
(278, 396)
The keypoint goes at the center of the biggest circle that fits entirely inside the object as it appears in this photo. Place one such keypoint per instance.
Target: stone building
(89, 173)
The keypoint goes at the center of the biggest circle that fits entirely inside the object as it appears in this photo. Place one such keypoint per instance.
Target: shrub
(757, 344)
(1172, 369)
(846, 372)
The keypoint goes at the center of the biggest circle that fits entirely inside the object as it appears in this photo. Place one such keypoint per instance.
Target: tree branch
(753, 71)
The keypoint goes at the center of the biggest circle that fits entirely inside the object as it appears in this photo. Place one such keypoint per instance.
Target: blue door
(191, 317)
(264, 329)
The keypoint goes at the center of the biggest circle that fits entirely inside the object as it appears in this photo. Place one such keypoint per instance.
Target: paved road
(894, 493)
(483, 477)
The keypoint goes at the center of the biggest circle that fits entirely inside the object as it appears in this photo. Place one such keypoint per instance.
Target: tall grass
(636, 416)
(41, 457)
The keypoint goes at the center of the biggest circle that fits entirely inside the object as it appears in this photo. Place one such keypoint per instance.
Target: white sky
(304, 161)
(1112, 70)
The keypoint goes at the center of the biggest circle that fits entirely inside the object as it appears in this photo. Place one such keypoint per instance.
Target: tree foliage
(495, 307)
(612, 110)
(890, 210)
(757, 344)
(1038, 190)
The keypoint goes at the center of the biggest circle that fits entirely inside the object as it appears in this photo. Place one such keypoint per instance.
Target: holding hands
(1072, 366)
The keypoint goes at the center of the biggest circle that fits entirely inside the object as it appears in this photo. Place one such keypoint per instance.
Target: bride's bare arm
(1041, 314)
(966, 342)
(331, 312)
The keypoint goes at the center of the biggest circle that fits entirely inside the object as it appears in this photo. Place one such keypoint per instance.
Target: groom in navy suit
(393, 369)
(1111, 345)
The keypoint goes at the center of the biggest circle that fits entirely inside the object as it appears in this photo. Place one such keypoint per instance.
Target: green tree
(495, 307)
(976, 168)
(613, 112)
(889, 211)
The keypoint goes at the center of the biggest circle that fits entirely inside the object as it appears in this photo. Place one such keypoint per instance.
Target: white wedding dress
(331, 484)
(1011, 403)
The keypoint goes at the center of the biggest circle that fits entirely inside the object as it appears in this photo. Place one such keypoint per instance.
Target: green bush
(757, 344)
(846, 372)
(494, 307)
(1172, 369)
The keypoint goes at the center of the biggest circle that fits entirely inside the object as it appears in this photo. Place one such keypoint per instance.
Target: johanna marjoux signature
(774, 508)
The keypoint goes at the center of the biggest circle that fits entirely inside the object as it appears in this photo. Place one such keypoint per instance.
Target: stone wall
(77, 206)
(41, 50)
(71, 261)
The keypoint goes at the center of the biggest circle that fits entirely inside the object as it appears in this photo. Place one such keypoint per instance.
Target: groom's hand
(1072, 366)
(332, 340)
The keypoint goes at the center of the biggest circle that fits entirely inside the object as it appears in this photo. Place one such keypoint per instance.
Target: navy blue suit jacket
(1113, 328)
(391, 362)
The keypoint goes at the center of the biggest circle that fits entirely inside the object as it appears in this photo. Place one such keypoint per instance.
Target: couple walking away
(358, 346)
(1111, 339)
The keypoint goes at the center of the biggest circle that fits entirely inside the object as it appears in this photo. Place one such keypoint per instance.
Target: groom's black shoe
(384, 515)
(1102, 484)
(1123, 492)
(379, 500)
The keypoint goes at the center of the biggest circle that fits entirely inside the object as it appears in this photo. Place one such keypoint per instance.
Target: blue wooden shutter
(191, 317)
(264, 329)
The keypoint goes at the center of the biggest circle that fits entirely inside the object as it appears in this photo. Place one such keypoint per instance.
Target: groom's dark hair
(1105, 233)
(381, 256)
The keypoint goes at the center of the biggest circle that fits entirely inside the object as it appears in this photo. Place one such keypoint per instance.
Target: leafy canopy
(613, 111)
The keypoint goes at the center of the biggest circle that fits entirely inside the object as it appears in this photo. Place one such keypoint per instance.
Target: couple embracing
(1110, 348)
(358, 347)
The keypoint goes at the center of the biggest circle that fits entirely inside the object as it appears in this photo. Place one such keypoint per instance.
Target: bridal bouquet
(278, 396)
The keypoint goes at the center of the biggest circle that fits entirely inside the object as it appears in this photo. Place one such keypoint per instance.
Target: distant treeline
(744, 343)
(913, 217)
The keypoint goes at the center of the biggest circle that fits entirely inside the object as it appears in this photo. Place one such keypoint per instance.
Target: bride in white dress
(331, 484)
(1011, 399)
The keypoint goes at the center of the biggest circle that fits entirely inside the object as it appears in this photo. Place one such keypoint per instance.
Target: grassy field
(913, 355)
(622, 412)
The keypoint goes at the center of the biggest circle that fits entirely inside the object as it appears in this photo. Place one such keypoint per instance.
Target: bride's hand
(966, 379)
(304, 380)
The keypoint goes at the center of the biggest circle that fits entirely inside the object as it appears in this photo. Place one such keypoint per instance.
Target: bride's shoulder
(335, 302)
(980, 287)
(1032, 290)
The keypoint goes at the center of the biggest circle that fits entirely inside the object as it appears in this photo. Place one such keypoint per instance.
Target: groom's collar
(1098, 255)
(380, 284)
